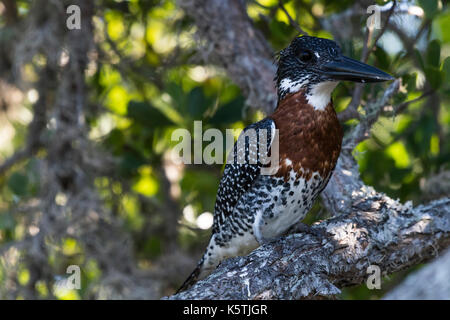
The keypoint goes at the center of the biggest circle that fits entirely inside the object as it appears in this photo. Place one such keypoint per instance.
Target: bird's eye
(305, 56)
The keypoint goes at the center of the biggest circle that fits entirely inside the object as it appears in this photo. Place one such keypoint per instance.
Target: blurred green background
(147, 79)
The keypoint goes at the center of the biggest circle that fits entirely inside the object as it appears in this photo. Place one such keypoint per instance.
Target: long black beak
(348, 69)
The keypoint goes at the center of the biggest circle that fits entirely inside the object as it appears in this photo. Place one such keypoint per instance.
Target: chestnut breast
(309, 140)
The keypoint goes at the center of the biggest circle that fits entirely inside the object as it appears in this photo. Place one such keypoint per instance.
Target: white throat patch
(289, 86)
(320, 94)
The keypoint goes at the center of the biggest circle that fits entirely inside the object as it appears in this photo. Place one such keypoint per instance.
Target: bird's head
(315, 66)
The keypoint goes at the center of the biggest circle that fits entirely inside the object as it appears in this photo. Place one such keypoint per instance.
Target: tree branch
(429, 283)
(37, 125)
(236, 46)
(11, 12)
(17, 157)
(377, 231)
(374, 109)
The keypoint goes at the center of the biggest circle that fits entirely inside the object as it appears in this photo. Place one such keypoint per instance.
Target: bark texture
(378, 231)
(227, 38)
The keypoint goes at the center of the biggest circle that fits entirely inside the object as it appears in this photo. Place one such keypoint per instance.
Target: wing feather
(242, 168)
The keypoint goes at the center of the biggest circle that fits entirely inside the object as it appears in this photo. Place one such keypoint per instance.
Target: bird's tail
(193, 277)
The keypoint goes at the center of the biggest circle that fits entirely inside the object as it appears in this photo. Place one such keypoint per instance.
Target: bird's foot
(301, 227)
(262, 241)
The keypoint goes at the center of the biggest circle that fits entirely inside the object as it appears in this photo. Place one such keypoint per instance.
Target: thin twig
(366, 52)
(412, 127)
(261, 5)
(361, 132)
(409, 42)
(17, 157)
(291, 21)
(351, 112)
(401, 107)
(380, 34)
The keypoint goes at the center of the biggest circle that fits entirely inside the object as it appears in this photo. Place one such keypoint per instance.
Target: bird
(252, 207)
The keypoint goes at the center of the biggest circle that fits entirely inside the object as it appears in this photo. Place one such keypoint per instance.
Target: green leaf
(422, 136)
(204, 184)
(434, 76)
(410, 80)
(147, 115)
(115, 141)
(281, 31)
(441, 25)
(18, 183)
(6, 221)
(197, 103)
(383, 60)
(176, 92)
(400, 97)
(131, 161)
(152, 246)
(419, 59)
(433, 53)
(401, 55)
(446, 71)
(430, 7)
(230, 112)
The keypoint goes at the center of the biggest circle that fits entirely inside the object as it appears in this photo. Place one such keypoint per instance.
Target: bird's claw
(301, 227)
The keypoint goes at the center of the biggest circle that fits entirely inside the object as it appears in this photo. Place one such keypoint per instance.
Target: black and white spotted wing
(242, 168)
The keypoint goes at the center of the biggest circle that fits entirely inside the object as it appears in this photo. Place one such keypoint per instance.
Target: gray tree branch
(378, 231)
(432, 282)
(227, 38)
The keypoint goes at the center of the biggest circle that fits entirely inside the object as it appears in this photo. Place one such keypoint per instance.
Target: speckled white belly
(290, 207)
